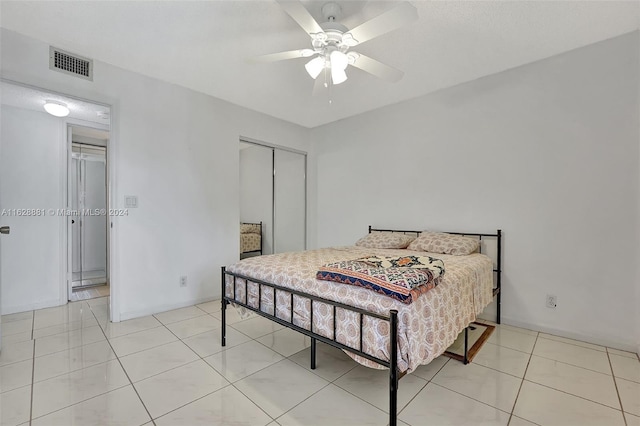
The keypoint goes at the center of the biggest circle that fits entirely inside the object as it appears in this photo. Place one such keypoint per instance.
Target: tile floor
(70, 366)
(90, 293)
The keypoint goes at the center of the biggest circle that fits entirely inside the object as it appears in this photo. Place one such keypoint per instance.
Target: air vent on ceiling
(69, 63)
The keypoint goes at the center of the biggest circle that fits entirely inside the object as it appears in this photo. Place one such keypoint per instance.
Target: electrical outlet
(552, 301)
(183, 281)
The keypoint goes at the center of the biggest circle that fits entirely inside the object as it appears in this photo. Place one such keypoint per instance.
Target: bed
(250, 238)
(375, 330)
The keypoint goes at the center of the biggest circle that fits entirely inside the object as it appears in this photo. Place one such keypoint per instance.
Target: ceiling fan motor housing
(332, 36)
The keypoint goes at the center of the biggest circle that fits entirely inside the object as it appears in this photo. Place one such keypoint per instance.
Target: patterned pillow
(385, 240)
(437, 242)
(249, 228)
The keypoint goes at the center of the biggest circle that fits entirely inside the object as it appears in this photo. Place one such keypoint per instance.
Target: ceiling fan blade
(281, 56)
(301, 15)
(378, 69)
(397, 17)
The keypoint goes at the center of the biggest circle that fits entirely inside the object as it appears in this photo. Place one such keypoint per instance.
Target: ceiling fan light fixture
(339, 60)
(55, 108)
(315, 66)
(338, 75)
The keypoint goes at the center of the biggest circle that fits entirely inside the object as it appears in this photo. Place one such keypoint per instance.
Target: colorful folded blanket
(402, 278)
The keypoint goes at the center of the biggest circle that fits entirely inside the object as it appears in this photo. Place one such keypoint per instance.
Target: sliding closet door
(256, 190)
(289, 201)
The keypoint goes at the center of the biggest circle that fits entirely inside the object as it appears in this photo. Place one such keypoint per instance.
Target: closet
(273, 191)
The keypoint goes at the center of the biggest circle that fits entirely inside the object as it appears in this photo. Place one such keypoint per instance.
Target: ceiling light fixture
(339, 64)
(55, 108)
(315, 66)
(331, 41)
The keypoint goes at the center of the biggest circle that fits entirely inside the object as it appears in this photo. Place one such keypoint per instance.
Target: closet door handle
(73, 221)
(5, 230)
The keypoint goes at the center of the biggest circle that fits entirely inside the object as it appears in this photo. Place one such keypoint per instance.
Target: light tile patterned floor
(69, 365)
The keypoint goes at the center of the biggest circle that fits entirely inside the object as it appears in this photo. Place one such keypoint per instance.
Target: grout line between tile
(314, 393)
(522, 381)
(33, 323)
(125, 371)
(512, 416)
(573, 365)
(230, 382)
(79, 402)
(252, 401)
(191, 402)
(615, 383)
(199, 358)
(576, 396)
(70, 371)
(573, 344)
(428, 381)
(468, 397)
(33, 368)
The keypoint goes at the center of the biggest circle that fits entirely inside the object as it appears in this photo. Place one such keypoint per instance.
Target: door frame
(112, 196)
(67, 240)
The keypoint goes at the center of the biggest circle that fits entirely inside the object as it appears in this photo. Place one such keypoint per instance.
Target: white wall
(256, 191)
(547, 152)
(32, 262)
(177, 150)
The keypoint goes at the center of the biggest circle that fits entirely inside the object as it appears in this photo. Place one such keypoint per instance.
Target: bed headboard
(490, 244)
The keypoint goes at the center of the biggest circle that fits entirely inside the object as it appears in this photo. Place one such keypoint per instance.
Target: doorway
(35, 161)
(88, 219)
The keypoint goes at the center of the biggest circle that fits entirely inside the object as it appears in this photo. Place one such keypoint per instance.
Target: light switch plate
(131, 201)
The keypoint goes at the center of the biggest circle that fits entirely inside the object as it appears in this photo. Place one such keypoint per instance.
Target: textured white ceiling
(206, 46)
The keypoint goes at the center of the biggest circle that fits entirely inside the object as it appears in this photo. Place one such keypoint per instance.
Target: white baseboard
(162, 308)
(629, 346)
(32, 306)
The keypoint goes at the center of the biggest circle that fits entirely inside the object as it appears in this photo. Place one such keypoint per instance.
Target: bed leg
(466, 345)
(313, 353)
(223, 332)
(393, 368)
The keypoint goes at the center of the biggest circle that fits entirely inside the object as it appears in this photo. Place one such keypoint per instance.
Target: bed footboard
(392, 364)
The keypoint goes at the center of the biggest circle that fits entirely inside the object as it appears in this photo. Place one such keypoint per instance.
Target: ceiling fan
(331, 42)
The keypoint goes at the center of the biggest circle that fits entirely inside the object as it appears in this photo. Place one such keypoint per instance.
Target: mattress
(426, 327)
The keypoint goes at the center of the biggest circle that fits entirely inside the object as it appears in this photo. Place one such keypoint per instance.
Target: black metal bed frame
(261, 238)
(392, 318)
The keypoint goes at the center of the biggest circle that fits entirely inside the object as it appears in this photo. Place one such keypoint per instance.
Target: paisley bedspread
(426, 327)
